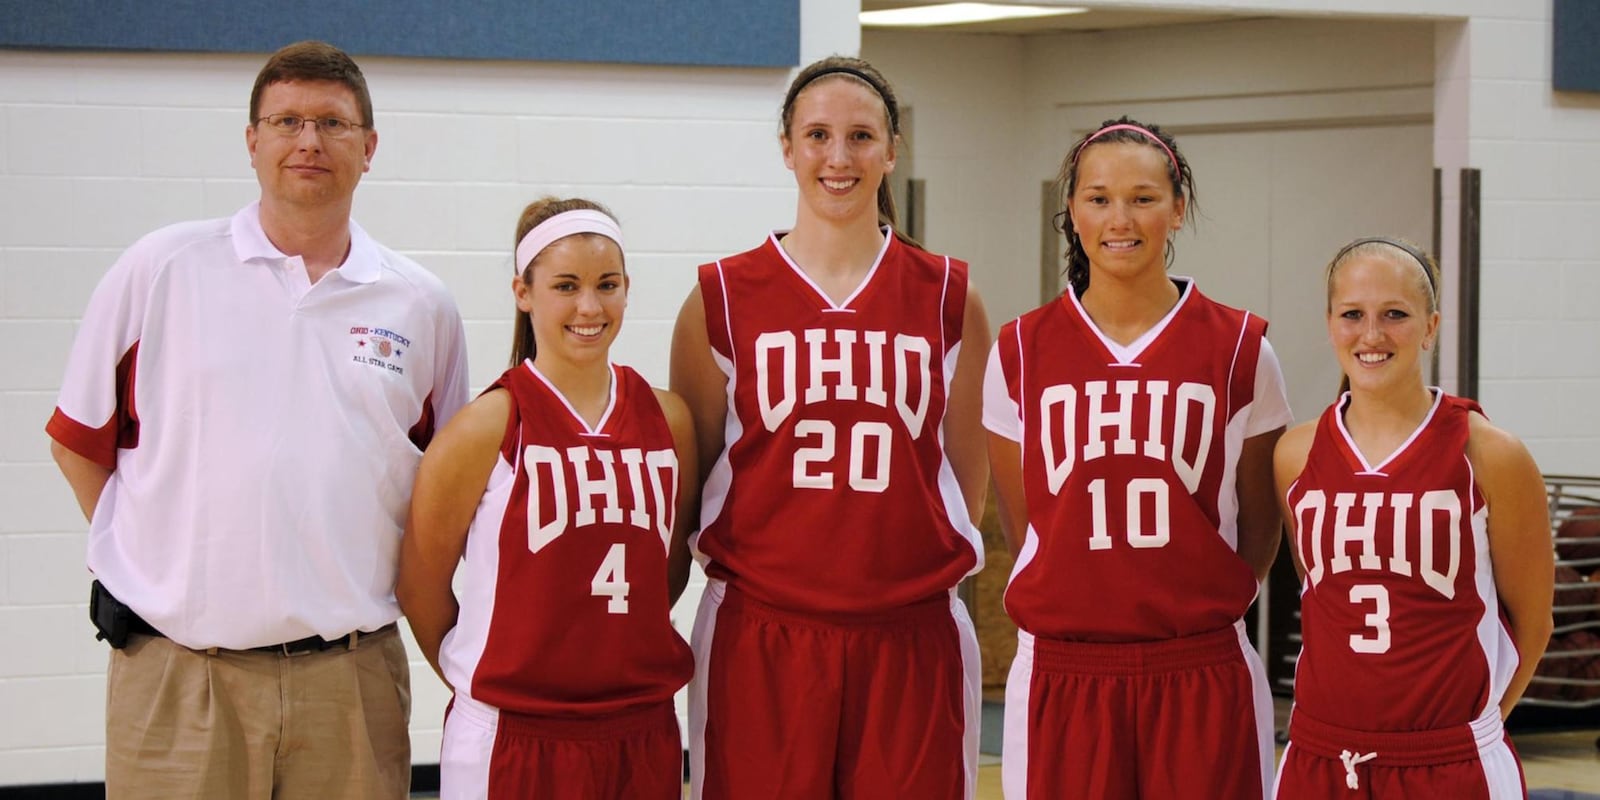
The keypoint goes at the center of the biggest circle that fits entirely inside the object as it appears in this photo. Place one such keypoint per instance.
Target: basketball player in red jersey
(835, 378)
(561, 487)
(1131, 429)
(1422, 537)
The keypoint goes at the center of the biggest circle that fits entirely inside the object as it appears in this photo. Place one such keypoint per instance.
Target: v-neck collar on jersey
(1128, 355)
(1360, 457)
(866, 280)
(583, 426)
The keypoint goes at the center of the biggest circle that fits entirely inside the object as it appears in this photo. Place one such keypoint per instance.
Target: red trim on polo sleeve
(121, 431)
(422, 432)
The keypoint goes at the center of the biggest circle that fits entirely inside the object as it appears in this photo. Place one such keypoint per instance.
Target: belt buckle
(304, 647)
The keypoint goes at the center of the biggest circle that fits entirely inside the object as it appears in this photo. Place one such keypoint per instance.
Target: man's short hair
(313, 61)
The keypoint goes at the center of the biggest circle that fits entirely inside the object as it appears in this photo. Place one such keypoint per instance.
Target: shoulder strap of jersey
(955, 300)
(1246, 355)
(636, 392)
(519, 383)
(714, 298)
(1464, 403)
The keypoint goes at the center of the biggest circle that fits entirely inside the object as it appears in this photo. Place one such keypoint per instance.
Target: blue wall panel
(1577, 46)
(747, 33)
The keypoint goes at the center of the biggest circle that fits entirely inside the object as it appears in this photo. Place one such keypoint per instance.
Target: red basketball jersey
(1401, 625)
(833, 492)
(564, 602)
(1128, 465)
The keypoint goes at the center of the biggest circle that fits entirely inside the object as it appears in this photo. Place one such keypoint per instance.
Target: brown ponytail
(522, 343)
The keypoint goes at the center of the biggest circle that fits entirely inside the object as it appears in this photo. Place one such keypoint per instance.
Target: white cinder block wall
(98, 149)
(1539, 152)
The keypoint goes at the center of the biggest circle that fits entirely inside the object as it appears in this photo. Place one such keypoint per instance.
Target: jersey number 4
(611, 580)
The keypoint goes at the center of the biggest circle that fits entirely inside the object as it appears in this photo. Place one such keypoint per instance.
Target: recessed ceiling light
(958, 13)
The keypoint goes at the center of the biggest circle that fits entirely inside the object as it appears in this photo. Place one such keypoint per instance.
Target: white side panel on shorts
(467, 750)
(1502, 774)
(972, 690)
(1014, 743)
(1261, 698)
(705, 628)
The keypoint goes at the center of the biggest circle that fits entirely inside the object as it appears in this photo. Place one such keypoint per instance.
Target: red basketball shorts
(1187, 717)
(790, 705)
(1464, 762)
(489, 753)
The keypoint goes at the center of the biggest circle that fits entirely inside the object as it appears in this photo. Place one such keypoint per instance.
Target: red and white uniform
(1398, 594)
(1129, 456)
(563, 634)
(833, 492)
(835, 507)
(564, 598)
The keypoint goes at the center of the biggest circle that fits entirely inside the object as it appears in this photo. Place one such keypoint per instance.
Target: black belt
(310, 644)
(116, 620)
(317, 644)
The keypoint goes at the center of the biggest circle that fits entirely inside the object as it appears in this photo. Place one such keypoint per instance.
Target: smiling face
(1380, 318)
(308, 170)
(575, 295)
(1124, 207)
(840, 149)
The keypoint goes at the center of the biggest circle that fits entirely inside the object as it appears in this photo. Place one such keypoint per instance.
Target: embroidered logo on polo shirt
(379, 347)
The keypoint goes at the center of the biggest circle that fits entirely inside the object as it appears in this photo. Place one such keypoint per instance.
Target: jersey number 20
(807, 476)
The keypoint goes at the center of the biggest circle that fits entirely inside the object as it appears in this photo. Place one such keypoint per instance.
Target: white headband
(563, 225)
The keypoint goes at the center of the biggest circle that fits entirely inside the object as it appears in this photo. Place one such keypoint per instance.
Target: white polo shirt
(263, 432)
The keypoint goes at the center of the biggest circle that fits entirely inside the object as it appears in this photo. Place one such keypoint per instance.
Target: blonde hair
(1388, 246)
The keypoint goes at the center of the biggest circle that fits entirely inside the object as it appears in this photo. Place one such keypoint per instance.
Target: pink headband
(1125, 127)
(562, 225)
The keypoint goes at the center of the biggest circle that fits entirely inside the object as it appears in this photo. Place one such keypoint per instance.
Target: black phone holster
(111, 618)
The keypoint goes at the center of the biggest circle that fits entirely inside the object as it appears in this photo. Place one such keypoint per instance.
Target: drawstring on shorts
(1350, 760)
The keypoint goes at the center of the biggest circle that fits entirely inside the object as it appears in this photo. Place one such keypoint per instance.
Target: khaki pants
(184, 723)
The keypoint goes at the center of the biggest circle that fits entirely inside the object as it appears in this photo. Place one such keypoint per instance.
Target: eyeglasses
(327, 127)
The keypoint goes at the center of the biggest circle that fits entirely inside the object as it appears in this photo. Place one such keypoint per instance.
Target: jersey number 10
(1142, 534)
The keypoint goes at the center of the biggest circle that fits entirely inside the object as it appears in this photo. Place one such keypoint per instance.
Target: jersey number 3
(1377, 621)
(611, 579)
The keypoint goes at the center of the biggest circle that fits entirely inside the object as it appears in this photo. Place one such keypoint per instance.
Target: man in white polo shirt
(241, 418)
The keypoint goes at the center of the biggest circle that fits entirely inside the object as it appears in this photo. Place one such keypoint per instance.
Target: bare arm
(703, 388)
(87, 478)
(450, 482)
(683, 442)
(1288, 461)
(1005, 461)
(697, 379)
(1260, 526)
(963, 420)
(1520, 548)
